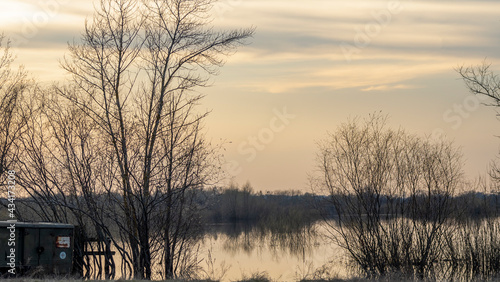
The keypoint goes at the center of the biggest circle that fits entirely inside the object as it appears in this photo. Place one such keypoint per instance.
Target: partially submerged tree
(480, 243)
(392, 193)
(134, 73)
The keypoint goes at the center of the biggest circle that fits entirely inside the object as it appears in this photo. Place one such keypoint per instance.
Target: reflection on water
(229, 252)
(285, 254)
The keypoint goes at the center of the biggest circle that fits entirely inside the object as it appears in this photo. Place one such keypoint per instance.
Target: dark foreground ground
(246, 280)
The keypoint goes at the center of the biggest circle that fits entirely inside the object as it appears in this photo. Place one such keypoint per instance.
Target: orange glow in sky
(312, 65)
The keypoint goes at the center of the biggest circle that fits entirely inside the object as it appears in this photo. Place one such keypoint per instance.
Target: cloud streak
(311, 33)
(296, 60)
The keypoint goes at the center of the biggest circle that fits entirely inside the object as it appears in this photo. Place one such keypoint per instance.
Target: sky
(312, 65)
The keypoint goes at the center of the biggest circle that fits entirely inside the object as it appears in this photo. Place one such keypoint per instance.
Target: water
(233, 252)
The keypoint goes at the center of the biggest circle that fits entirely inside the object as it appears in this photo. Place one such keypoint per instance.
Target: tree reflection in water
(248, 238)
(286, 252)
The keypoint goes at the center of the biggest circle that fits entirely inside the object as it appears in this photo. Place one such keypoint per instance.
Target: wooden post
(79, 243)
(109, 263)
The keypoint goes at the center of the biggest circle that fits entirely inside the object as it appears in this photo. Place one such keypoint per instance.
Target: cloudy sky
(313, 64)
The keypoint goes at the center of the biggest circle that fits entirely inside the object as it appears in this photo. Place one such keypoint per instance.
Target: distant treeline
(479, 205)
(471, 205)
(243, 204)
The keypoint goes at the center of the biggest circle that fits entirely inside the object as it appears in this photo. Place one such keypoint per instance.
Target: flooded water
(231, 252)
(234, 252)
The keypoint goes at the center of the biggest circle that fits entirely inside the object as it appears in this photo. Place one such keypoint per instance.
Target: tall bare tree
(134, 72)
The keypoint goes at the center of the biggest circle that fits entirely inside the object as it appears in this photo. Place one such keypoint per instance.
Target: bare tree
(133, 73)
(480, 243)
(63, 169)
(14, 84)
(482, 81)
(392, 193)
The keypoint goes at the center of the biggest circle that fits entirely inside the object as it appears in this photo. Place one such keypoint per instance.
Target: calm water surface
(231, 252)
(242, 250)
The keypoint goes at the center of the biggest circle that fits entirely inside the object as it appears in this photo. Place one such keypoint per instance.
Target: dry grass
(80, 280)
(119, 280)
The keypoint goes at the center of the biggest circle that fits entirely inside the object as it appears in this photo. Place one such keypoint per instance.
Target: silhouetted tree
(392, 193)
(14, 85)
(482, 81)
(133, 75)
